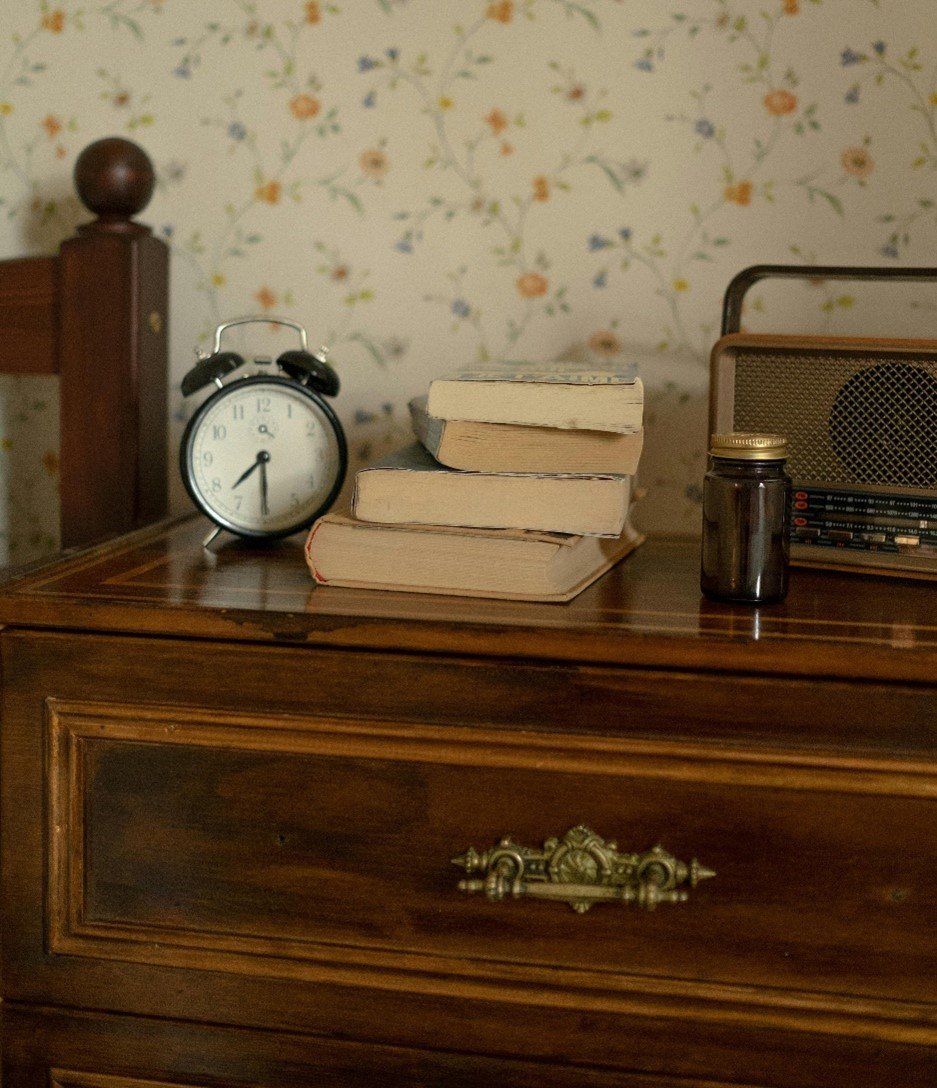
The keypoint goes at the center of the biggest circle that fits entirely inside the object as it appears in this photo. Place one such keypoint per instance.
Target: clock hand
(264, 508)
(248, 471)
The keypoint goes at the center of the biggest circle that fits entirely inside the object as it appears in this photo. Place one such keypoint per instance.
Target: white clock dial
(263, 456)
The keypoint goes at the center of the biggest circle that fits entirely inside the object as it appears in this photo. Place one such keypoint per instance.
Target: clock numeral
(219, 431)
(238, 499)
(237, 411)
(294, 501)
(207, 458)
(263, 404)
(289, 410)
(216, 484)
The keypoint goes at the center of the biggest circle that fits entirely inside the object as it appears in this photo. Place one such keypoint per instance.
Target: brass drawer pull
(580, 869)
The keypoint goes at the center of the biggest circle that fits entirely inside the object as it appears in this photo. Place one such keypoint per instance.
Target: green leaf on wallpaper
(607, 171)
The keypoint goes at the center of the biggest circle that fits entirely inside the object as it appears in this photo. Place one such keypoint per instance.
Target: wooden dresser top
(647, 611)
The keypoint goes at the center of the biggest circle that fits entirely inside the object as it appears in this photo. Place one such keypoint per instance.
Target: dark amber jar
(746, 510)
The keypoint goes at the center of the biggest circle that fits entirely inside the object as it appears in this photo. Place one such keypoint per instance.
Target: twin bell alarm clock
(264, 455)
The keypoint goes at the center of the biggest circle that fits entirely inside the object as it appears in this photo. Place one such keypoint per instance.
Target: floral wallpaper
(429, 182)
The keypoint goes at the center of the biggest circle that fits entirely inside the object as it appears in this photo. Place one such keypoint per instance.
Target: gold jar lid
(746, 446)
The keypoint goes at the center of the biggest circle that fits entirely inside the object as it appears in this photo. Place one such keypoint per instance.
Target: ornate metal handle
(580, 869)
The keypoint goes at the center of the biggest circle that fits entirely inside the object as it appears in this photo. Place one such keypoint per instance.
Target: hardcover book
(509, 447)
(411, 486)
(564, 395)
(513, 564)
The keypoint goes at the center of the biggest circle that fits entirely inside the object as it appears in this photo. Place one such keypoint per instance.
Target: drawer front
(323, 849)
(73, 1049)
(213, 850)
(51, 1049)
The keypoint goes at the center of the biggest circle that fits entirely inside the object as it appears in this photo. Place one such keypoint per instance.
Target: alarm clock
(264, 455)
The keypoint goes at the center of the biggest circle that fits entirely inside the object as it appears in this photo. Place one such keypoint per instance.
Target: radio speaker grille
(849, 420)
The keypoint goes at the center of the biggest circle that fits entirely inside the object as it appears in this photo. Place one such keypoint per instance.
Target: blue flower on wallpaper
(392, 53)
(183, 71)
(879, 48)
(852, 95)
(600, 279)
(645, 64)
(366, 64)
(850, 56)
(705, 128)
(369, 100)
(598, 242)
(237, 131)
(625, 233)
(460, 307)
(404, 246)
(889, 251)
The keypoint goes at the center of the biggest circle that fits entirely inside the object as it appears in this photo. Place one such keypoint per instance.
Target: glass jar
(746, 510)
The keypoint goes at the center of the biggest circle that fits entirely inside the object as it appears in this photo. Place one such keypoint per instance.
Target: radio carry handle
(748, 277)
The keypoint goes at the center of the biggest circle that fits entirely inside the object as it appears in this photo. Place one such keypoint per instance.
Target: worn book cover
(565, 395)
(510, 447)
(411, 486)
(512, 564)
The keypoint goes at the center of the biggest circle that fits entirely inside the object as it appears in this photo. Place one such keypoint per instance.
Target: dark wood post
(113, 324)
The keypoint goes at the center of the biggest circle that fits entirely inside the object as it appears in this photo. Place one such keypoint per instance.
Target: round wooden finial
(114, 178)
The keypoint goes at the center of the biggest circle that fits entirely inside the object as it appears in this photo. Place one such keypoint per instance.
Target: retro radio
(861, 420)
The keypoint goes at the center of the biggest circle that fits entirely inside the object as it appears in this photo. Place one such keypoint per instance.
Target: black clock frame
(191, 427)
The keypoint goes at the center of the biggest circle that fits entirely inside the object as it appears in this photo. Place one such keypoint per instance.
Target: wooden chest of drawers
(231, 806)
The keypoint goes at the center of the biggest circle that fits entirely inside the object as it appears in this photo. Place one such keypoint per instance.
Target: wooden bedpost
(112, 349)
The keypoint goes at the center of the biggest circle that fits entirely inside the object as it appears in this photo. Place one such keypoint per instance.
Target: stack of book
(518, 486)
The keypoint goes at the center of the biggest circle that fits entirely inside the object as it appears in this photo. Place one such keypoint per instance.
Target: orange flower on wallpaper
(858, 162)
(50, 462)
(506, 148)
(374, 164)
(541, 188)
(604, 342)
(780, 102)
(532, 285)
(501, 12)
(269, 192)
(791, 7)
(54, 21)
(740, 193)
(304, 106)
(266, 299)
(498, 121)
(313, 15)
(52, 125)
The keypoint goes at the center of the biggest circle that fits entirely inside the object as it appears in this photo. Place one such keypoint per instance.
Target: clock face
(263, 456)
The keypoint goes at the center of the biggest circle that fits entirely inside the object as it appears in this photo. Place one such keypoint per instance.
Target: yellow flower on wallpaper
(269, 192)
(857, 162)
(681, 285)
(6, 108)
(501, 12)
(304, 106)
(780, 102)
(532, 285)
(740, 193)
